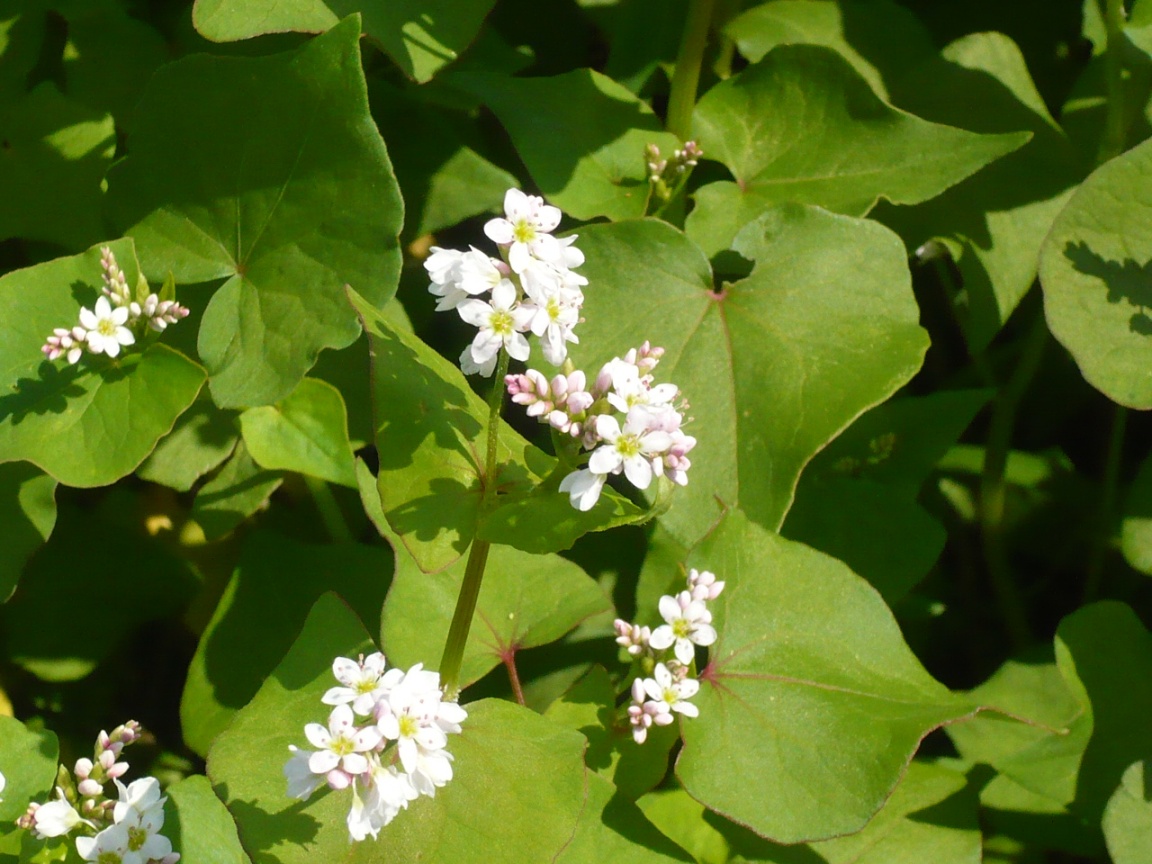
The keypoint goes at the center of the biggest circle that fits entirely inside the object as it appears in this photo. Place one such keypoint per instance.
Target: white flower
(630, 388)
(703, 585)
(631, 448)
(56, 818)
(553, 322)
(140, 796)
(583, 488)
(480, 274)
(110, 846)
(632, 637)
(145, 843)
(502, 324)
(105, 326)
(365, 683)
(673, 691)
(302, 781)
(526, 230)
(388, 792)
(688, 623)
(419, 722)
(340, 747)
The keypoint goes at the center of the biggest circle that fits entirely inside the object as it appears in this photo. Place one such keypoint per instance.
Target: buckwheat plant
(119, 319)
(120, 830)
(385, 741)
(666, 657)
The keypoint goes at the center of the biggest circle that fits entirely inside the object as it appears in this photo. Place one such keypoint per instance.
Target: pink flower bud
(338, 779)
(89, 788)
(83, 768)
(117, 770)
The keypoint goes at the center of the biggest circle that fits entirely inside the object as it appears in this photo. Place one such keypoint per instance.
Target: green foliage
(28, 513)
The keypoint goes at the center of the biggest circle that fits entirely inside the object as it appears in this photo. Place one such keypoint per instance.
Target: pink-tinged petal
(639, 734)
(661, 638)
(322, 761)
(638, 690)
(605, 460)
(685, 653)
(638, 470)
(663, 719)
(374, 664)
(354, 763)
(704, 634)
(669, 609)
(338, 779)
(548, 217)
(499, 231)
(340, 720)
(346, 671)
(687, 709)
(88, 319)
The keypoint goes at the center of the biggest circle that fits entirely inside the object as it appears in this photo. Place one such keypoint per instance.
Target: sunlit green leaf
(29, 761)
(199, 825)
(1128, 818)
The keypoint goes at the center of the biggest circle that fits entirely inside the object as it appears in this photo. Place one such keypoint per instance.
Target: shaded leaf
(306, 431)
(267, 172)
(581, 136)
(259, 616)
(810, 700)
(502, 746)
(203, 437)
(54, 155)
(1095, 270)
(28, 514)
(239, 489)
(1136, 532)
(774, 365)
(199, 826)
(92, 423)
(802, 126)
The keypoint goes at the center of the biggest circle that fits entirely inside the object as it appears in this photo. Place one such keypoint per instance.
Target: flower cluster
(124, 830)
(116, 320)
(386, 740)
(531, 289)
(669, 652)
(630, 424)
(666, 176)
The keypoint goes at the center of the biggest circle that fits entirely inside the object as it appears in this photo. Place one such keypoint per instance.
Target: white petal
(638, 471)
(499, 231)
(661, 638)
(322, 761)
(88, 320)
(317, 735)
(687, 709)
(684, 651)
(669, 609)
(704, 634)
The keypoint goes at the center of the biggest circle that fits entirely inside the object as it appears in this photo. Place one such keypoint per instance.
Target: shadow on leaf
(1126, 281)
(47, 394)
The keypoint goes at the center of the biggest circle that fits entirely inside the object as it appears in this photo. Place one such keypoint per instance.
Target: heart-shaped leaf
(1095, 269)
(1128, 818)
(92, 423)
(774, 365)
(801, 125)
(28, 514)
(811, 699)
(269, 173)
(503, 747)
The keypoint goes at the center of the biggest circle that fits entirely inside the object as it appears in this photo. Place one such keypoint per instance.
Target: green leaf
(239, 489)
(581, 136)
(200, 827)
(28, 514)
(931, 816)
(995, 222)
(55, 153)
(28, 760)
(431, 442)
(801, 638)
(22, 36)
(774, 365)
(1136, 532)
(882, 40)
(261, 613)
(784, 125)
(1128, 818)
(421, 36)
(48, 625)
(1094, 268)
(525, 600)
(203, 437)
(612, 828)
(502, 749)
(267, 172)
(1094, 272)
(306, 431)
(589, 707)
(92, 423)
(857, 499)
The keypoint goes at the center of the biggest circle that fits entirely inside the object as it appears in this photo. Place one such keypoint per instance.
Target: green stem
(514, 677)
(453, 655)
(726, 10)
(1113, 142)
(1094, 571)
(330, 513)
(686, 78)
(993, 486)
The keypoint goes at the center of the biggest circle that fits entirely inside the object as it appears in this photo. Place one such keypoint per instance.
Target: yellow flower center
(524, 231)
(106, 327)
(501, 322)
(408, 726)
(136, 838)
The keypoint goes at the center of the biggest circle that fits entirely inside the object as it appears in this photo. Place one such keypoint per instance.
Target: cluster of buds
(121, 830)
(630, 424)
(386, 740)
(669, 653)
(667, 175)
(532, 286)
(116, 319)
